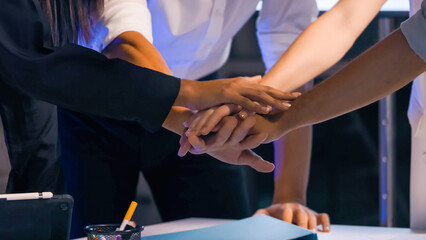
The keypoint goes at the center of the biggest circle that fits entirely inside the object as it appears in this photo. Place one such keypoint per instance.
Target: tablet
(41, 218)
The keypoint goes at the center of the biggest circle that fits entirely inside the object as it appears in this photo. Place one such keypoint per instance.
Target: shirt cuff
(414, 30)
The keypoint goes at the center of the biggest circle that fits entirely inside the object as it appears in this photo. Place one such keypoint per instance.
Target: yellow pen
(128, 216)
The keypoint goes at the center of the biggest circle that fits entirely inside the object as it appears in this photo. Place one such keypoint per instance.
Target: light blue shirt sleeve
(414, 30)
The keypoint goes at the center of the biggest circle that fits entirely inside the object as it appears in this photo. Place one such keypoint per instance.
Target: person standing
(194, 38)
(35, 77)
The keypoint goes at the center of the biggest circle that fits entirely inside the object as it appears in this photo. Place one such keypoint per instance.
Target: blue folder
(259, 227)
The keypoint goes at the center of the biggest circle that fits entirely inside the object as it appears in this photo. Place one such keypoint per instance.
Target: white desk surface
(338, 232)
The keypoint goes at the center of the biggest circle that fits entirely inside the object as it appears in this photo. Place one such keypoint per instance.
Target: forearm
(292, 154)
(292, 161)
(133, 47)
(322, 44)
(381, 70)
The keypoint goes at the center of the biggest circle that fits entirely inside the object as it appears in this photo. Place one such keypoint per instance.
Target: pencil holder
(108, 232)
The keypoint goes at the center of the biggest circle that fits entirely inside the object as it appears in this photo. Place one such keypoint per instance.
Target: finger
(216, 128)
(185, 146)
(248, 157)
(264, 98)
(188, 122)
(200, 120)
(288, 214)
(243, 114)
(312, 222)
(197, 143)
(301, 218)
(242, 130)
(249, 104)
(217, 116)
(262, 211)
(194, 122)
(218, 139)
(253, 141)
(278, 94)
(324, 220)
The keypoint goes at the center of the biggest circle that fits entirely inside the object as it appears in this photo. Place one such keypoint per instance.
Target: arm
(330, 35)
(70, 76)
(278, 25)
(133, 47)
(381, 70)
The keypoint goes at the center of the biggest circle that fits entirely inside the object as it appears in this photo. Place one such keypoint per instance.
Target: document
(252, 228)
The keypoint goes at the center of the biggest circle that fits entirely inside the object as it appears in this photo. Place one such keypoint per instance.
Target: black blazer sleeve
(75, 77)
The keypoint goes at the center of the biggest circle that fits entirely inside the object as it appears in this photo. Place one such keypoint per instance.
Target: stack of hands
(229, 132)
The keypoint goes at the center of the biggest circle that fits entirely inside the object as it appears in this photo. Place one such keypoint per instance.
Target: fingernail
(242, 115)
(286, 104)
(266, 109)
(297, 94)
(185, 124)
(203, 131)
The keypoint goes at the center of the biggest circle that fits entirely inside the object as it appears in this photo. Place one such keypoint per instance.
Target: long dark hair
(71, 19)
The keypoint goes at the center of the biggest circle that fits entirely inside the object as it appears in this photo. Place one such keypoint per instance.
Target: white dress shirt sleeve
(414, 30)
(120, 16)
(279, 23)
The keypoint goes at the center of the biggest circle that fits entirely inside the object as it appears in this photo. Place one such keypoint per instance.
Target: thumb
(248, 157)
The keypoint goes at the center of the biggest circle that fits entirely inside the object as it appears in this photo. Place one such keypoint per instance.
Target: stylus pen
(128, 216)
(27, 196)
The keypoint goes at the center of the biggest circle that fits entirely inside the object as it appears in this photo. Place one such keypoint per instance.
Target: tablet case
(36, 219)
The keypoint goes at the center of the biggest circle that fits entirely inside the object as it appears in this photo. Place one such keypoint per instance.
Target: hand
(270, 125)
(206, 121)
(244, 91)
(229, 144)
(265, 126)
(298, 214)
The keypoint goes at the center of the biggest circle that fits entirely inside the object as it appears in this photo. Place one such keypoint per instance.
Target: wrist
(289, 199)
(287, 122)
(185, 93)
(276, 126)
(175, 119)
(287, 191)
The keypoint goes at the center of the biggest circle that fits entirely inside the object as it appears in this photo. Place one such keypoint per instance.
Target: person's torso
(194, 37)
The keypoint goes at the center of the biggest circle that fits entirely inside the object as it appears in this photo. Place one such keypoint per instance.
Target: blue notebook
(252, 228)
